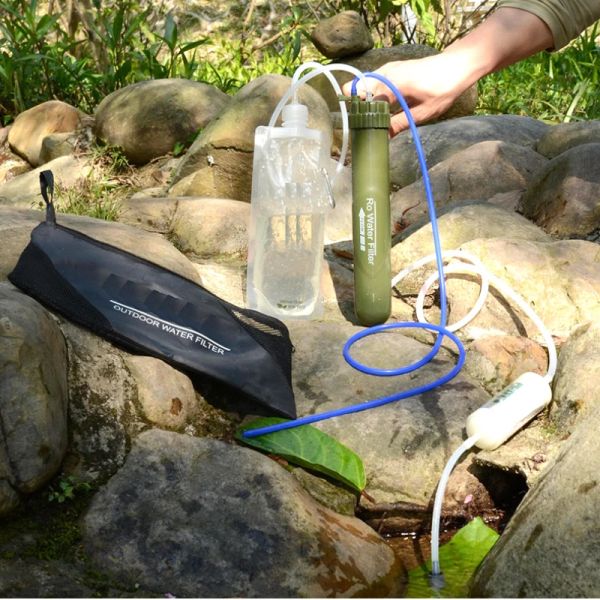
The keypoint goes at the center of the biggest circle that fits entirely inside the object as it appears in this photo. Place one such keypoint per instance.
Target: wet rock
(377, 57)
(564, 136)
(577, 377)
(197, 517)
(403, 445)
(342, 35)
(549, 548)
(219, 162)
(442, 140)
(563, 197)
(148, 118)
(33, 125)
(33, 395)
(166, 396)
(476, 173)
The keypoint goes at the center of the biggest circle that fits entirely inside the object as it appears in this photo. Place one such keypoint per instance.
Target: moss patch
(41, 532)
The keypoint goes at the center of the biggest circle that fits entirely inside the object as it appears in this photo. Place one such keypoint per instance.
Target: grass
(554, 87)
(100, 194)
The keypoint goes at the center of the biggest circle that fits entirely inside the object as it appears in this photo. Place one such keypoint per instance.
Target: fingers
(420, 114)
(398, 123)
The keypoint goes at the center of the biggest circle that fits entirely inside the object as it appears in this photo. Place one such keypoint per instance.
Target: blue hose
(440, 329)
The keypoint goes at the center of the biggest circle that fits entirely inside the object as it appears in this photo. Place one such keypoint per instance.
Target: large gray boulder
(478, 172)
(577, 377)
(33, 396)
(458, 226)
(564, 136)
(560, 280)
(442, 140)
(197, 517)
(148, 118)
(211, 227)
(404, 445)
(103, 396)
(219, 162)
(550, 547)
(563, 196)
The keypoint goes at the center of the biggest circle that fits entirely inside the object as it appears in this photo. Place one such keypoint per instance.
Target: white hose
(319, 69)
(437, 503)
(477, 268)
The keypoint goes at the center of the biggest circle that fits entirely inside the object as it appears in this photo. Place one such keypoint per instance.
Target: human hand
(429, 85)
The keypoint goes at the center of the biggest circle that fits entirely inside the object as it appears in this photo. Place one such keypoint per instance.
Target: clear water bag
(289, 201)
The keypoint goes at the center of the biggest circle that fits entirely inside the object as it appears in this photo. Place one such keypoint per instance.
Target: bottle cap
(372, 114)
(295, 115)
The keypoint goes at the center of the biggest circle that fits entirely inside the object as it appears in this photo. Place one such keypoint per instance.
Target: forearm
(565, 18)
(505, 37)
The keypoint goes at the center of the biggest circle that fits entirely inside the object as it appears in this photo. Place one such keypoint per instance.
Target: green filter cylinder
(371, 229)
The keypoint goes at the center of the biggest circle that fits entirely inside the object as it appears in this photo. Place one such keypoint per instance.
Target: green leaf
(308, 447)
(117, 26)
(170, 36)
(195, 44)
(297, 45)
(459, 559)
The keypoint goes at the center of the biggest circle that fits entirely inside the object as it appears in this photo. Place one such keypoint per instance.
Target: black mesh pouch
(149, 310)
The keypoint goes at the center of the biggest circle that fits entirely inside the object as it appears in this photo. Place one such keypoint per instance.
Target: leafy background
(80, 51)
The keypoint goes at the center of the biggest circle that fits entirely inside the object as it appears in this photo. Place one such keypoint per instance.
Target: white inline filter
(494, 422)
